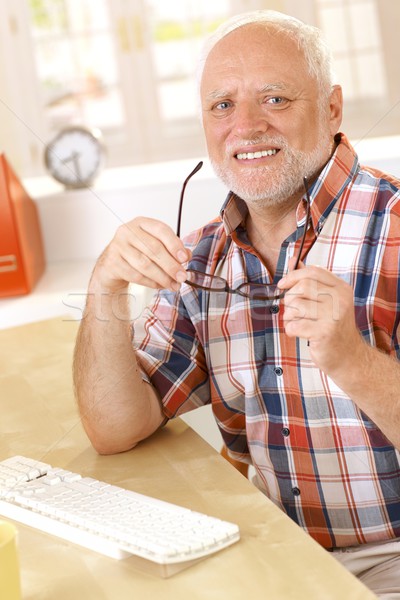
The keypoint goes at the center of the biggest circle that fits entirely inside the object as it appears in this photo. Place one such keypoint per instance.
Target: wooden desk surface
(274, 558)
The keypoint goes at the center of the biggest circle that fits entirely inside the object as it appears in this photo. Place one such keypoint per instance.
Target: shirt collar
(324, 191)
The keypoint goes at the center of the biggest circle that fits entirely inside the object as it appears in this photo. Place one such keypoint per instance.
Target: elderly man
(283, 312)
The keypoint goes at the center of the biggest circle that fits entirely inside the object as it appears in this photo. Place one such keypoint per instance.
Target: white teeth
(251, 155)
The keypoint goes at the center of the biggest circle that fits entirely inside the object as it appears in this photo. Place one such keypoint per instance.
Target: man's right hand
(143, 251)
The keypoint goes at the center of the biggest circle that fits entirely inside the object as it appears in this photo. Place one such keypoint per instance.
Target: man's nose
(250, 120)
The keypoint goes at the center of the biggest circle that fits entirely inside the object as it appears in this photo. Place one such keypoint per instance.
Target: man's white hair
(309, 40)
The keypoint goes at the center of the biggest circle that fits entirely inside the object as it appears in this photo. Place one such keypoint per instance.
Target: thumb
(292, 264)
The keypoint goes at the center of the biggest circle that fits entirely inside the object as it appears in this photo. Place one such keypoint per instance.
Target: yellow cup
(9, 568)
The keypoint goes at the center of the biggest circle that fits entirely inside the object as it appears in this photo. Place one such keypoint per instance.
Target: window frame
(24, 132)
(376, 117)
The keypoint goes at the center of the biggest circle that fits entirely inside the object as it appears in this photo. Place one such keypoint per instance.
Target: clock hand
(74, 159)
(76, 165)
(69, 158)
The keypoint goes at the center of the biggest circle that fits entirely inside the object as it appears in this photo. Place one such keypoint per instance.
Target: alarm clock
(75, 156)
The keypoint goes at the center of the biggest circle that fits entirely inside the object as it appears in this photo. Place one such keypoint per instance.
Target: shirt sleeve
(171, 355)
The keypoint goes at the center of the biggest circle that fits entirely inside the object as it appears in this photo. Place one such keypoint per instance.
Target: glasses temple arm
(178, 223)
(305, 181)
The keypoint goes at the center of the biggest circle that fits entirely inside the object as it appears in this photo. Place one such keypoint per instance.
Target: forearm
(371, 379)
(118, 409)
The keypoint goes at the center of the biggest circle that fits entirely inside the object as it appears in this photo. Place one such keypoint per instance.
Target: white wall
(77, 224)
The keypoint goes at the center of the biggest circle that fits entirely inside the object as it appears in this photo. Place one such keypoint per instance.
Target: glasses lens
(265, 293)
(202, 280)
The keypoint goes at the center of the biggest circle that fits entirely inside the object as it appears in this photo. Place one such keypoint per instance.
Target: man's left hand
(319, 307)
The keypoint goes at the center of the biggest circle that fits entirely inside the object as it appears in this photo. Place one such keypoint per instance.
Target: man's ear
(336, 109)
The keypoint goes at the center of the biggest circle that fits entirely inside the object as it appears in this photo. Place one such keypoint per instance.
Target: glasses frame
(237, 290)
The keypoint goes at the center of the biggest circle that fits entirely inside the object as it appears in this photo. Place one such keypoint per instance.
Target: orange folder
(22, 259)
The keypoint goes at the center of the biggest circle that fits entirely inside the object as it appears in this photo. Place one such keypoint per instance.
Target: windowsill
(121, 178)
(60, 291)
(50, 296)
(379, 151)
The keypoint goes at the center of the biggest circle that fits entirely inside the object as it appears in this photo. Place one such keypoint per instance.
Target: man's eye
(223, 105)
(276, 100)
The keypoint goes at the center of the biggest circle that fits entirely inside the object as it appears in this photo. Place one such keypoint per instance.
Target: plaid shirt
(316, 454)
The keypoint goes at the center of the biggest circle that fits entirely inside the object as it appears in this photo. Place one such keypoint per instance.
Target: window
(127, 67)
(123, 66)
(76, 63)
(357, 50)
(362, 36)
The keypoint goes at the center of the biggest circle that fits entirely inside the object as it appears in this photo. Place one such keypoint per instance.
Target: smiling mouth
(258, 154)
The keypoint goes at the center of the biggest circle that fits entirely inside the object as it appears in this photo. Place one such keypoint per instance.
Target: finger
(121, 264)
(314, 273)
(146, 249)
(292, 262)
(302, 328)
(308, 299)
(301, 309)
(304, 288)
(141, 269)
(136, 278)
(167, 237)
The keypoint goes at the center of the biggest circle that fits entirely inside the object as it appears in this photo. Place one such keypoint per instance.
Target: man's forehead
(251, 44)
(223, 91)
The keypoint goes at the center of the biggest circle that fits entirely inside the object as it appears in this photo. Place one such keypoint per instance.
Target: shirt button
(285, 431)
(274, 309)
(295, 491)
(278, 371)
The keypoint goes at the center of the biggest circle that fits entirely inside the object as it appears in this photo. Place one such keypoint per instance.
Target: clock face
(75, 156)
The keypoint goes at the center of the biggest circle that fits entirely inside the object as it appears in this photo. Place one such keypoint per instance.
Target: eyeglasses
(213, 283)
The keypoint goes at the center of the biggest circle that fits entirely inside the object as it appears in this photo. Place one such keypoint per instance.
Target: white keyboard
(106, 518)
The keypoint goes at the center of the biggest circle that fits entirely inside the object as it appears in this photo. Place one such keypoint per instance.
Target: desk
(274, 558)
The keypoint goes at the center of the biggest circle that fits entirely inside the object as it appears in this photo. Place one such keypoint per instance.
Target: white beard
(266, 185)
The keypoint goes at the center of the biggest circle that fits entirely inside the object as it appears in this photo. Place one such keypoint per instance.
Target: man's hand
(117, 407)
(319, 307)
(144, 251)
